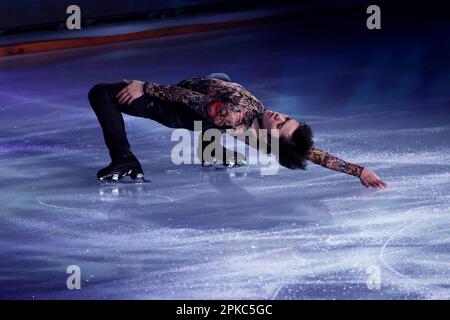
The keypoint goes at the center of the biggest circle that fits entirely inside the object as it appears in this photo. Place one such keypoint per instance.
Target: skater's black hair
(293, 153)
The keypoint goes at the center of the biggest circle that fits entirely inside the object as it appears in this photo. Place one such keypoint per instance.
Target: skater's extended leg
(109, 113)
(105, 106)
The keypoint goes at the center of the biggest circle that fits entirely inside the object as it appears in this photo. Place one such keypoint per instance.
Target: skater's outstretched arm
(330, 161)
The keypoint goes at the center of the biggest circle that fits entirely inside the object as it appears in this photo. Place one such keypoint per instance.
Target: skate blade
(233, 164)
(126, 179)
(123, 182)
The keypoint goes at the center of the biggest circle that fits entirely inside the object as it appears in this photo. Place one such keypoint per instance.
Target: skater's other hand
(131, 92)
(370, 179)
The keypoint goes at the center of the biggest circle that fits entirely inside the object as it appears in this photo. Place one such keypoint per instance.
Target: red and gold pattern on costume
(226, 105)
(332, 162)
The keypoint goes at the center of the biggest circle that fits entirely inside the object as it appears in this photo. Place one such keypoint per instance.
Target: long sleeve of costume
(332, 162)
(176, 94)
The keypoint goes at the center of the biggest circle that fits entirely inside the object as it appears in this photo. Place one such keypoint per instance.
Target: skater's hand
(370, 179)
(131, 92)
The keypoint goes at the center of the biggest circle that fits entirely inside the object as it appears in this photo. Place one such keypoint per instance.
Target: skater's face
(281, 122)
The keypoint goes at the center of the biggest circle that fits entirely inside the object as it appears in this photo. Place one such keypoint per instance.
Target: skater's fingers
(377, 185)
(370, 183)
(121, 92)
(123, 95)
(382, 185)
(123, 98)
(120, 98)
(127, 81)
(127, 99)
(122, 101)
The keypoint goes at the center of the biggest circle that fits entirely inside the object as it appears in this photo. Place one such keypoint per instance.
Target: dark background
(30, 14)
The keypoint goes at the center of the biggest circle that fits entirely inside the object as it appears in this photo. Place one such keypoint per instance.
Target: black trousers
(102, 98)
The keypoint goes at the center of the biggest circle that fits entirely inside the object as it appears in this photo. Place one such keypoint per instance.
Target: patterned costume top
(226, 105)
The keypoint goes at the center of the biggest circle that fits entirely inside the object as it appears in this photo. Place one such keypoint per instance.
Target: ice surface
(231, 233)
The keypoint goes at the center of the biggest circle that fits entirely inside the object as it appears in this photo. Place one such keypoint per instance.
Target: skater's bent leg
(108, 110)
(228, 156)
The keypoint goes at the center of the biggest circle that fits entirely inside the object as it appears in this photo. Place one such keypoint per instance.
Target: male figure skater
(218, 103)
